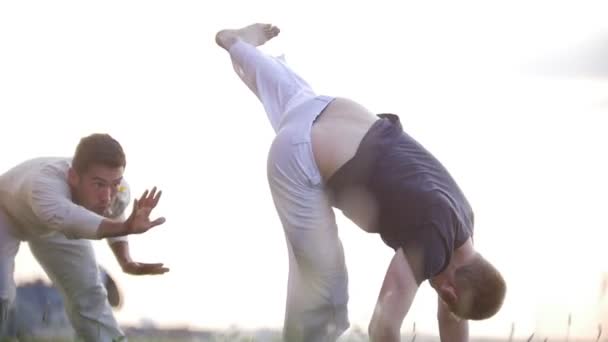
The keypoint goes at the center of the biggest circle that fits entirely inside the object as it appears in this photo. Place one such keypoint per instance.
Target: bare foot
(254, 34)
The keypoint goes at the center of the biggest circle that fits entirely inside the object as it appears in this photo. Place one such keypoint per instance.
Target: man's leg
(316, 309)
(317, 296)
(72, 267)
(276, 85)
(9, 245)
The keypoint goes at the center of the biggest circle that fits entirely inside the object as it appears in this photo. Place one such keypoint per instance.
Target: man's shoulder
(124, 191)
(122, 200)
(38, 169)
(42, 162)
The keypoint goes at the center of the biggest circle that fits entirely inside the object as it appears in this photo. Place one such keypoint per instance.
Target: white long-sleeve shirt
(36, 196)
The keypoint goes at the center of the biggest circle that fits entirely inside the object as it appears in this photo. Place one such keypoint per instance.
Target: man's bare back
(336, 135)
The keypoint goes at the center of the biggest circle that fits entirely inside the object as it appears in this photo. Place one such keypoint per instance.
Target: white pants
(72, 267)
(317, 296)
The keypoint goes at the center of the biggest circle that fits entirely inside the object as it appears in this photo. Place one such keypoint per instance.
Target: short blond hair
(481, 290)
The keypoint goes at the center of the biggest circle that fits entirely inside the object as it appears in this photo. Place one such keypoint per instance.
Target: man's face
(96, 188)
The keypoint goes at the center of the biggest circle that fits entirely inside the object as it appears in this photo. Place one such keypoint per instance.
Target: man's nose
(105, 196)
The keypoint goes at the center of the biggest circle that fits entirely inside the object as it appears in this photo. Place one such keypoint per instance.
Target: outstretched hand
(140, 268)
(139, 220)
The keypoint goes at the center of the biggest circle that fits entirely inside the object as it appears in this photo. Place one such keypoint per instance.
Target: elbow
(47, 212)
(60, 215)
(49, 218)
(383, 330)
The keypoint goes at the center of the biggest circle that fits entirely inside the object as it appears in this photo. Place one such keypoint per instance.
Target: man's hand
(139, 221)
(123, 256)
(140, 268)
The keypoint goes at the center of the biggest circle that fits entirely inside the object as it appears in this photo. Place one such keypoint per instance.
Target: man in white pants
(58, 205)
(332, 152)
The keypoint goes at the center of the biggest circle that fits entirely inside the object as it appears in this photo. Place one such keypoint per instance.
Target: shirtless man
(333, 152)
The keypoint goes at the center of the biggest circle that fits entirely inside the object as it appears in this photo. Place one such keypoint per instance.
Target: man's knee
(92, 317)
(91, 301)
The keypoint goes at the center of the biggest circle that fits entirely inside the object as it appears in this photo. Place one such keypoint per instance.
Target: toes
(274, 31)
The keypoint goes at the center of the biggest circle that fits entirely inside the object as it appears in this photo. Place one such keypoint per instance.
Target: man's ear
(73, 177)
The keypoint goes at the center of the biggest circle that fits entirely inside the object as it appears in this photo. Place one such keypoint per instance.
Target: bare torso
(336, 135)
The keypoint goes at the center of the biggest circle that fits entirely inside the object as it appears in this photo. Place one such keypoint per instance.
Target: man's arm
(139, 220)
(54, 209)
(109, 228)
(120, 245)
(396, 296)
(451, 328)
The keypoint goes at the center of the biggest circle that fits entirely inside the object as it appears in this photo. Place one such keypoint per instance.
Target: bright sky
(527, 147)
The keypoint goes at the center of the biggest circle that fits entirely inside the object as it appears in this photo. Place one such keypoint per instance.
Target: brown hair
(98, 149)
(481, 290)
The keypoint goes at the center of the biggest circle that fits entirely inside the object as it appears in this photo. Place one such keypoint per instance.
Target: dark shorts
(419, 205)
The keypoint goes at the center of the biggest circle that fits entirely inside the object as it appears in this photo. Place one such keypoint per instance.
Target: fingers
(142, 199)
(138, 268)
(160, 270)
(153, 268)
(150, 198)
(156, 198)
(157, 222)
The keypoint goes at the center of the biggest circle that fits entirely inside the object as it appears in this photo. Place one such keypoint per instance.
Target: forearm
(396, 296)
(385, 325)
(111, 228)
(121, 252)
(453, 330)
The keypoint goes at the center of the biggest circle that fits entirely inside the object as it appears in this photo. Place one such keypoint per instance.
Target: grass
(355, 334)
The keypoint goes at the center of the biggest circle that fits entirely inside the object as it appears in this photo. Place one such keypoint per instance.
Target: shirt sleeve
(437, 252)
(51, 203)
(427, 251)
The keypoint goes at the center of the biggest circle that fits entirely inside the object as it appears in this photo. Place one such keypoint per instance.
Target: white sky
(527, 148)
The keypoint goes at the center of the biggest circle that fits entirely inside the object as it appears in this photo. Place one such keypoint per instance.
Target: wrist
(121, 252)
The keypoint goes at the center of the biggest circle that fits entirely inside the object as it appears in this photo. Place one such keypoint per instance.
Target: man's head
(96, 172)
(475, 290)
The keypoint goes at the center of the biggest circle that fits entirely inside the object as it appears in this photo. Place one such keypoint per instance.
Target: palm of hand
(140, 222)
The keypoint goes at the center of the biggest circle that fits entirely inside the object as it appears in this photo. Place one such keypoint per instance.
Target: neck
(74, 196)
(463, 255)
